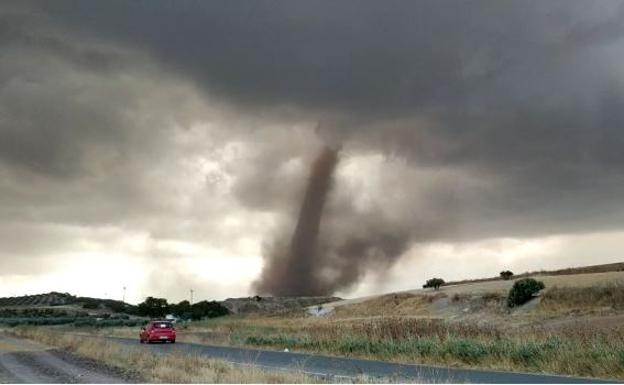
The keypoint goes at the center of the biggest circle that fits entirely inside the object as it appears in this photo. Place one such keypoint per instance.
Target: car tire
(173, 341)
(141, 340)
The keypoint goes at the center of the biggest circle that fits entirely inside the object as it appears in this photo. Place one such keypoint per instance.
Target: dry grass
(393, 304)
(610, 267)
(607, 297)
(564, 295)
(174, 368)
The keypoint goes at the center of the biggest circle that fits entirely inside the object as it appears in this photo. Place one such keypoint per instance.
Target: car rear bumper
(161, 338)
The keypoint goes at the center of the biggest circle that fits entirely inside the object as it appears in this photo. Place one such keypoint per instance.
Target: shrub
(506, 275)
(435, 283)
(209, 309)
(85, 322)
(153, 307)
(110, 322)
(523, 290)
(181, 308)
(91, 305)
(134, 322)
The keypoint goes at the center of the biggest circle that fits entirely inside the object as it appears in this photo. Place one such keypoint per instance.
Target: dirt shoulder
(30, 362)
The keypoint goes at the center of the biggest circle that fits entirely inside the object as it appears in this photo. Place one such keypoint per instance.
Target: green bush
(36, 321)
(523, 290)
(84, 322)
(134, 322)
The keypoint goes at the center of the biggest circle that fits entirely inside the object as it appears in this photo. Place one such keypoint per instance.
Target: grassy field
(572, 351)
(573, 331)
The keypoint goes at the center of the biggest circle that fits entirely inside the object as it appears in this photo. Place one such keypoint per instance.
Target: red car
(158, 331)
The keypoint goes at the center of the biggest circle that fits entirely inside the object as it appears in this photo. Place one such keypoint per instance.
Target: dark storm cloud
(500, 80)
(381, 57)
(89, 138)
(493, 118)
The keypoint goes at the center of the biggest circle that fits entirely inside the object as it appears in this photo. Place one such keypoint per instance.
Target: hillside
(244, 305)
(273, 305)
(575, 326)
(588, 298)
(604, 268)
(56, 299)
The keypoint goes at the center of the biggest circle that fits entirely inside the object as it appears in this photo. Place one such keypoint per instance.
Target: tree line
(159, 307)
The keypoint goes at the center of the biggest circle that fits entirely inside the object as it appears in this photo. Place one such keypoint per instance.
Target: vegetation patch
(434, 283)
(523, 290)
(608, 295)
(585, 352)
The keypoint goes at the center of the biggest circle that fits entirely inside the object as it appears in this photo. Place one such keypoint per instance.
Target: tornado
(294, 270)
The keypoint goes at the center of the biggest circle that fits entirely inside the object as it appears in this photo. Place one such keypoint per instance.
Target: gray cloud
(498, 118)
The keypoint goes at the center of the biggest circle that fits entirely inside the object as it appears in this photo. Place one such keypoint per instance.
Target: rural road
(335, 368)
(24, 361)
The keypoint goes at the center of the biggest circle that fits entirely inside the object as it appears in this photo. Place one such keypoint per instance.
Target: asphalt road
(347, 368)
(24, 361)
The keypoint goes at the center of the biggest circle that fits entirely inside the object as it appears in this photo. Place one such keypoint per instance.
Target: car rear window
(163, 325)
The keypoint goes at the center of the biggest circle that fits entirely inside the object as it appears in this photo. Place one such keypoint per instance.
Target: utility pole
(191, 297)
(123, 299)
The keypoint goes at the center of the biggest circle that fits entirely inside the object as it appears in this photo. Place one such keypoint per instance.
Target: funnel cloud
(296, 270)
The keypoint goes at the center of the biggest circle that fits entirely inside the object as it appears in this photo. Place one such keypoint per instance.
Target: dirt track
(23, 361)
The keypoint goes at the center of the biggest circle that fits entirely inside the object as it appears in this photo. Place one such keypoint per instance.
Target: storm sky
(165, 146)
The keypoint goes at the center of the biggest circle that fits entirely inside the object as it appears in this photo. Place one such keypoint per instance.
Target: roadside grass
(174, 368)
(573, 351)
(577, 349)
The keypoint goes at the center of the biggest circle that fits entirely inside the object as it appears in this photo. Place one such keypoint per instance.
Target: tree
(182, 309)
(435, 283)
(506, 275)
(523, 290)
(153, 307)
(208, 309)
